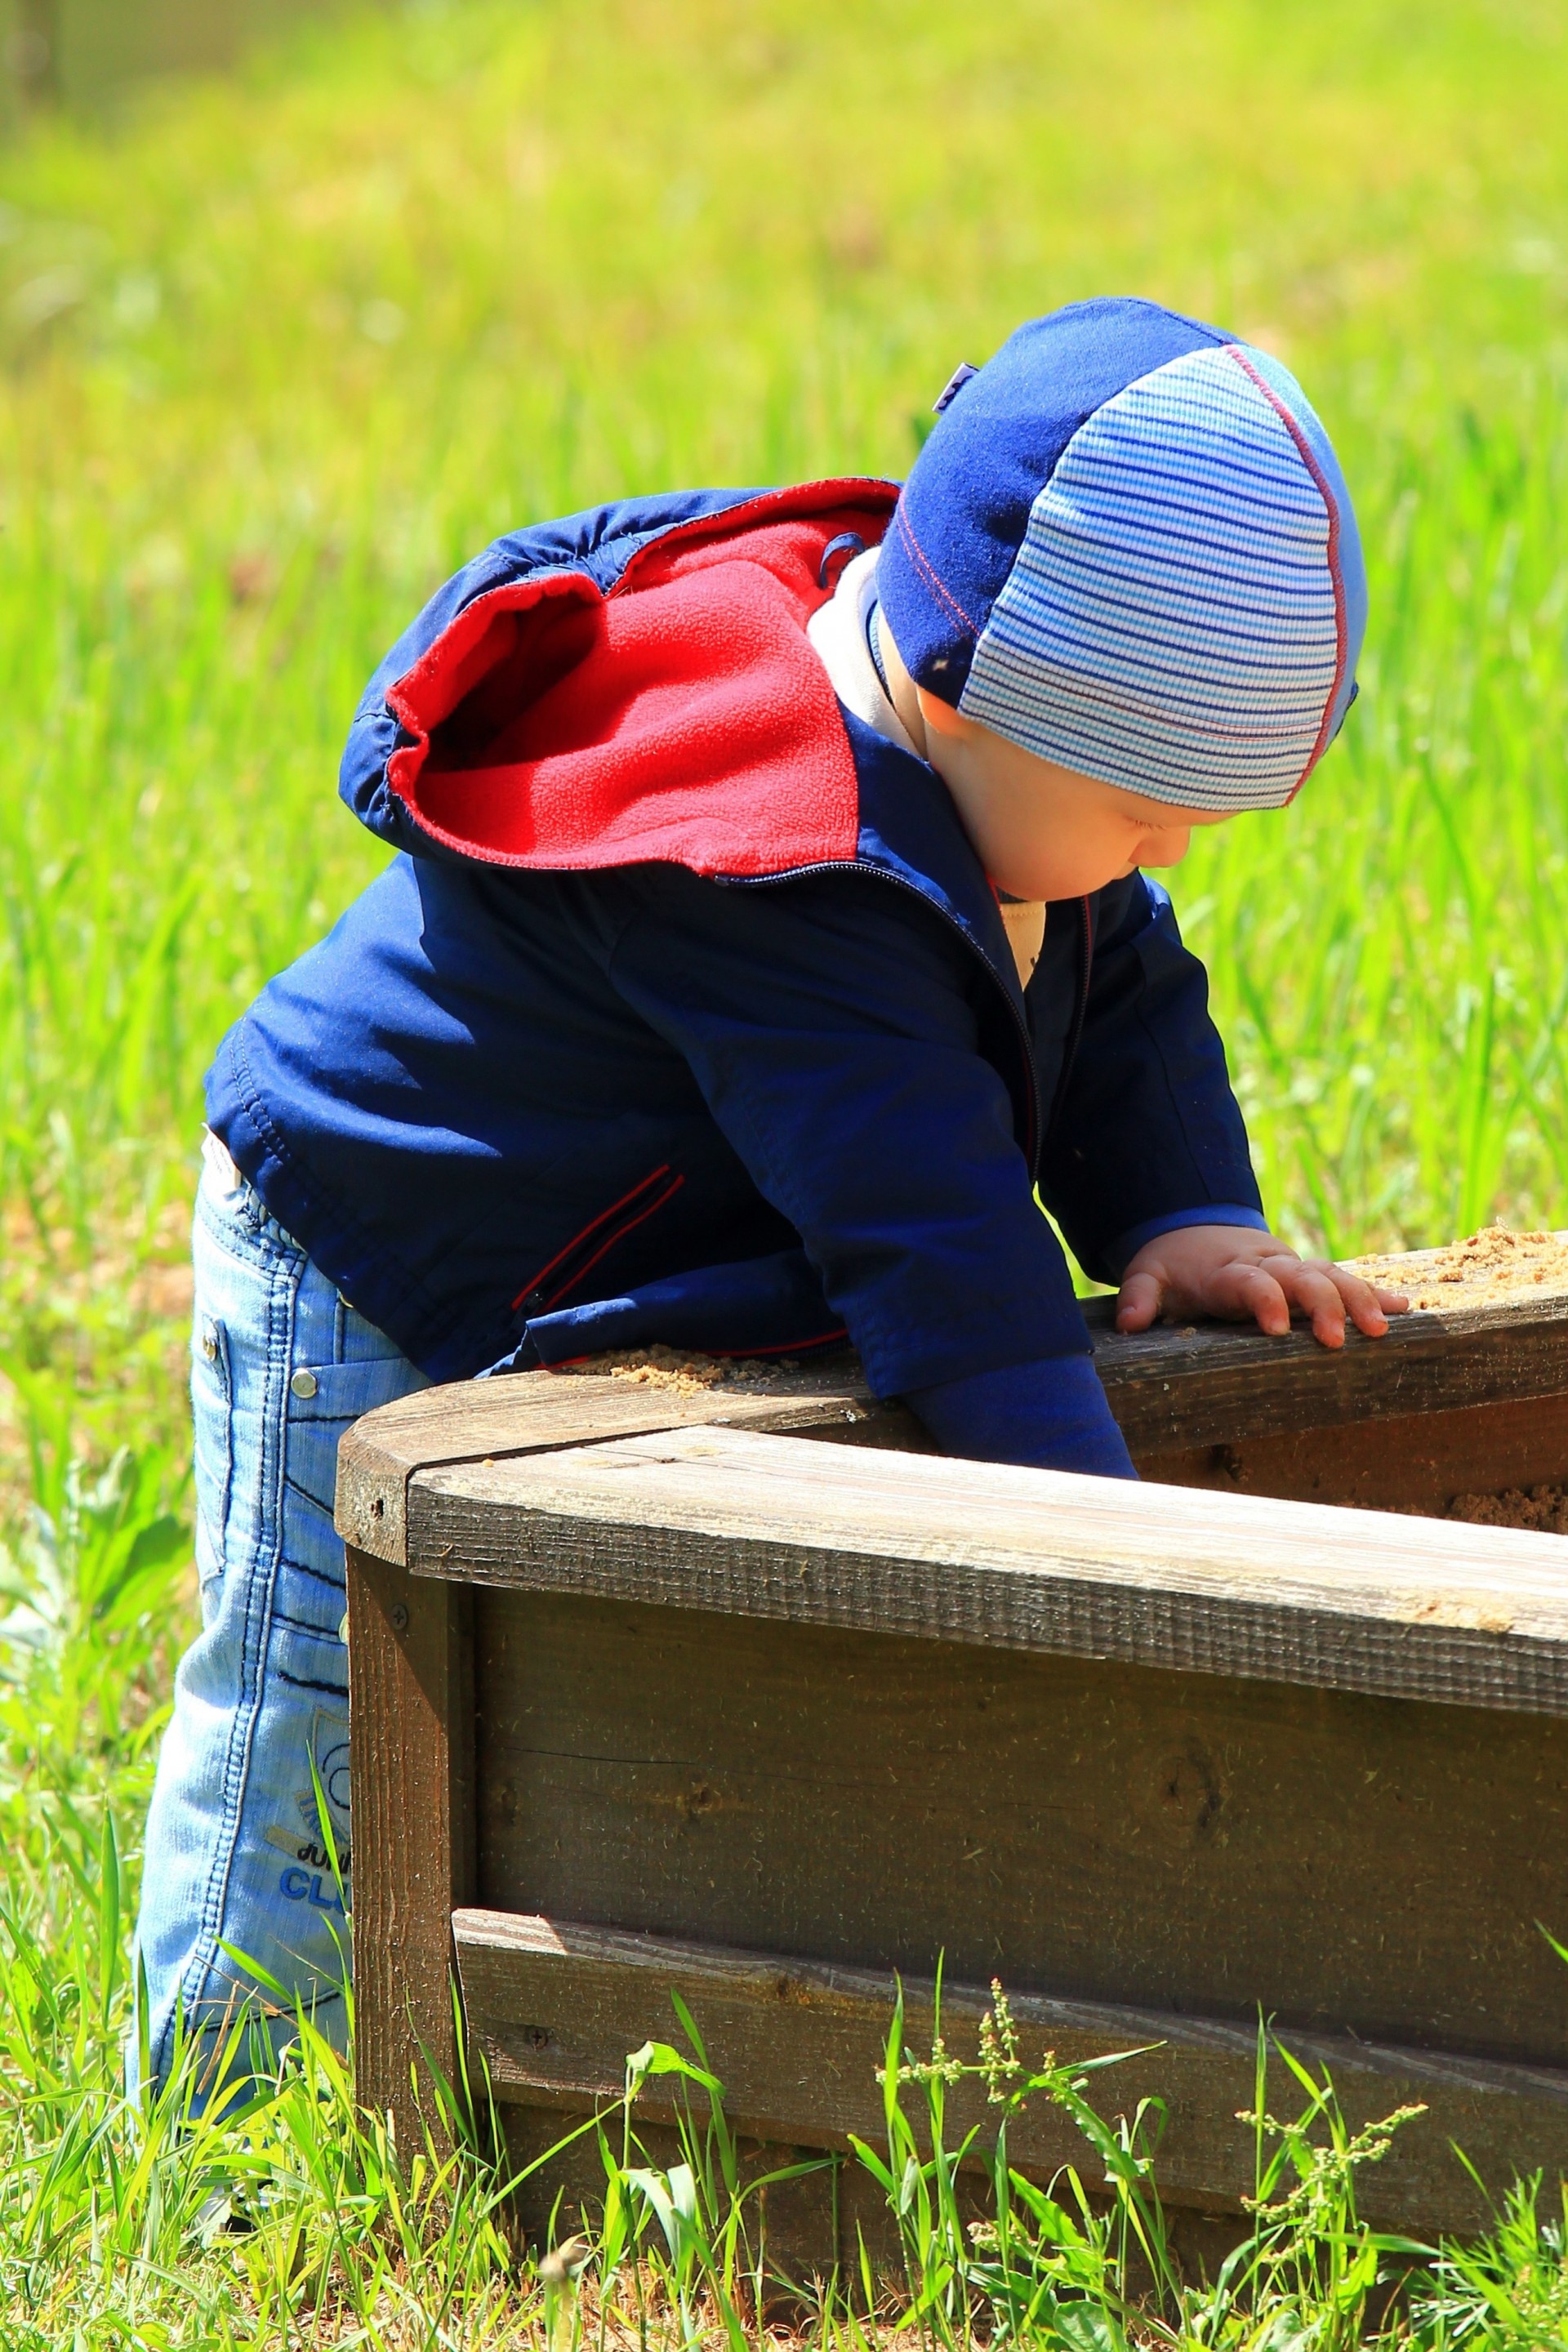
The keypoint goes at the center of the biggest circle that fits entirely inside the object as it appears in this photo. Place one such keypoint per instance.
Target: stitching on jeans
(304, 1492)
(285, 1306)
(297, 1567)
(285, 1280)
(308, 1682)
(305, 1625)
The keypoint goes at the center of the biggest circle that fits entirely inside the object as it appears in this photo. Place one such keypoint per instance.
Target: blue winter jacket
(685, 1011)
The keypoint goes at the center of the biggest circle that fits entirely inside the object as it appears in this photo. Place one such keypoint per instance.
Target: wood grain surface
(871, 1706)
(1105, 1832)
(1417, 1464)
(465, 1421)
(731, 1521)
(1215, 1384)
(555, 2007)
(1296, 1415)
(411, 1758)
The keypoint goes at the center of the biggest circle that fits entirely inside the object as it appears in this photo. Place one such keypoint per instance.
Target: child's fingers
(1312, 1286)
(1365, 1304)
(1138, 1302)
(1245, 1291)
(1240, 1290)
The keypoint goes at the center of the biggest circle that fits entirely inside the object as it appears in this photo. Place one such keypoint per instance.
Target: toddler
(770, 918)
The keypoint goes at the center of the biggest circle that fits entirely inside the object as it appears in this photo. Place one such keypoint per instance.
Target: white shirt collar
(837, 631)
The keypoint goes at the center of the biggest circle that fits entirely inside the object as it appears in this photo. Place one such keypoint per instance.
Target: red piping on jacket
(784, 1347)
(593, 1225)
(618, 1235)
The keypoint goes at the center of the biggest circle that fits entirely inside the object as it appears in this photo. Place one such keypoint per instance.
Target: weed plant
(275, 356)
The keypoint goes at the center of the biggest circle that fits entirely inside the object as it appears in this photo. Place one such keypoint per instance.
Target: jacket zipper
(1080, 1010)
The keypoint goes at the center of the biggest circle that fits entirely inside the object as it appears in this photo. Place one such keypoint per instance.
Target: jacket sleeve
(1147, 1134)
(832, 1025)
(1048, 1416)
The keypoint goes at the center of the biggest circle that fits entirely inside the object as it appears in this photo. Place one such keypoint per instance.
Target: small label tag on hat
(953, 387)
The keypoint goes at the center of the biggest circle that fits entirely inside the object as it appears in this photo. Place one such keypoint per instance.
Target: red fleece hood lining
(684, 719)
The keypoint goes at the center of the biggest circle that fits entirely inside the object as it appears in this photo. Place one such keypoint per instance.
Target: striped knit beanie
(1128, 546)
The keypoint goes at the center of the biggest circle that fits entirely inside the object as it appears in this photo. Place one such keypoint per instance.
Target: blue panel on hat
(966, 505)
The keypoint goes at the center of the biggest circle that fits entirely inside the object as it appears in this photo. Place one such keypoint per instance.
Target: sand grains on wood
(1544, 1508)
(1488, 1269)
(1483, 1270)
(682, 1370)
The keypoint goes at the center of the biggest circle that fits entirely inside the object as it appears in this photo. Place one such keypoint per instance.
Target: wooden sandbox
(646, 1692)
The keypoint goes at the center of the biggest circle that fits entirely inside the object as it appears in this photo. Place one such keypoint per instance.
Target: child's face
(1044, 831)
(1041, 831)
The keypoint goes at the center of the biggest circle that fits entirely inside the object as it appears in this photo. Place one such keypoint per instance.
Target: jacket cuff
(1126, 1245)
(1050, 1414)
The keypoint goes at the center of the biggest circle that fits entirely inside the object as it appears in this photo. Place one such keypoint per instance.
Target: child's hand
(1234, 1273)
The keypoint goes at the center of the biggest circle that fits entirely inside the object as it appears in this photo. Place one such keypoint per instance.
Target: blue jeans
(235, 1852)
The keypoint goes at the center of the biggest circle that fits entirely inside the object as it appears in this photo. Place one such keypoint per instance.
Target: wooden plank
(556, 2006)
(1417, 1463)
(1175, 1393)
(1213, 1384)
(411, 1757)
(1026, 1559)
(1352, 1864)
(800, 2226)
(467, 1421)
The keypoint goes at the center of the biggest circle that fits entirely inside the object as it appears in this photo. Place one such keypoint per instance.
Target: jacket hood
(647, 694)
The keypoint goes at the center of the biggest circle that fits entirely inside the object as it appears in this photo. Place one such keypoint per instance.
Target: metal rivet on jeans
(209, 1345)
(304, 1384)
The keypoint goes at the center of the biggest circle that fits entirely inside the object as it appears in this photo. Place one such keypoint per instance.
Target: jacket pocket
(570, 1266)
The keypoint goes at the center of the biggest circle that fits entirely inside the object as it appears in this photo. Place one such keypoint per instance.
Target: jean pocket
(326, 1399)
(212, 1413)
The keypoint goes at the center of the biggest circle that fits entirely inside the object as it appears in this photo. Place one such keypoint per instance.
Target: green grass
(278, 353)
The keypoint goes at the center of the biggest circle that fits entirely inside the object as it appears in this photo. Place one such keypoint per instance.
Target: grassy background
(280, 353)
(276, 354)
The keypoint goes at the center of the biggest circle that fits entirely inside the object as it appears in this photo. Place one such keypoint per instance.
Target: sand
(1484, 1270)
(679, 1370)
(1490, 1265)
(1544, 1508)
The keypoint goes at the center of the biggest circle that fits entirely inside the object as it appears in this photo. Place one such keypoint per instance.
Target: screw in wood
(399, 1618)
